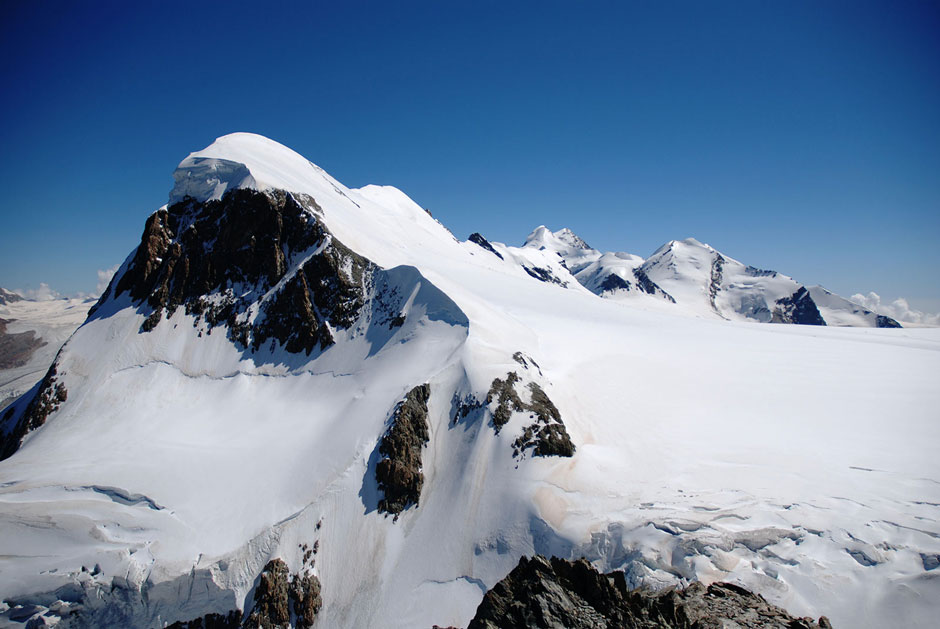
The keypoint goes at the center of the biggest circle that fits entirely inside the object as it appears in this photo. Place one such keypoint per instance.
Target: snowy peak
(540, 238)
(248, 160)
(563, 241)
(687, 249)
(572, 239)
(7, 297)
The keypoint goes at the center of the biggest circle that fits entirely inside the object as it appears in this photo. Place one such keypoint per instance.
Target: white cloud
(104, 277)
(898, 309)
(43, 293)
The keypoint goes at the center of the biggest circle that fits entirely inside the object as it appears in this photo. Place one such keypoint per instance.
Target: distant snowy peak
(708, 282)
(7, 297)
(701, 280)
(572, 239)
(563, 241)
(611, 275)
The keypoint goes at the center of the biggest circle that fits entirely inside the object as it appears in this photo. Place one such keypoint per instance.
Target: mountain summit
(302, 404)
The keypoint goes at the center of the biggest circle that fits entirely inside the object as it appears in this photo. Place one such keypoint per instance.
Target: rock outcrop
(572, 594)
(399, 472)
(282, 600)
(547, 435)
(8, 297)
(478, 239)
(544, 275)
(17, 422)
(797, 308)
(882, 321)
(260, 263)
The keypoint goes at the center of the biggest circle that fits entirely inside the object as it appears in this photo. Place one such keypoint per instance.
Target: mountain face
(303, 404)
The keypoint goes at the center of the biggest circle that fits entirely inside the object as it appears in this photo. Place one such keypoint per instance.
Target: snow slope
(798, 461)
(840, 311)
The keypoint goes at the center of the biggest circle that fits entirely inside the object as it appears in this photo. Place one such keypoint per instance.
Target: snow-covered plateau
(250, 387)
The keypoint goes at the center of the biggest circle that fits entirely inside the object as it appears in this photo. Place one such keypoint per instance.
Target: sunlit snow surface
(798, 461)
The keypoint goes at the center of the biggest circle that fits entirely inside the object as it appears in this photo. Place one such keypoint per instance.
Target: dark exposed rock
(544, 275)
(49, 395)
(547, 440)
(572, 594)
(525, 361)
(271, 609)
(797, 308)
(231, 620)
(614, 282)
(882, 321)
(753, 271)
(17, 348)
(507, 400)
(399, 472)
(547, 436)
(714, 284)
(646, 285)
(931, 561)
(305, 599)
(217, 259)
(465, 406)
(8, 297)
(281, 601)
(483, 242)
(543, 407)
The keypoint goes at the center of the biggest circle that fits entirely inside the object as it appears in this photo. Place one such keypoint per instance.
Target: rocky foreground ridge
(543, 593)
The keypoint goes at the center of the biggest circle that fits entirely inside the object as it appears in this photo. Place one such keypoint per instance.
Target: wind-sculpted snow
(207, 179)
(240, 429)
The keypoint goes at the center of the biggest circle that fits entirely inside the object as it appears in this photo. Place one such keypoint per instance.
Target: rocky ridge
(399, 472)
(258, 262)
(551, 593)
(546, 435)
(29, 413)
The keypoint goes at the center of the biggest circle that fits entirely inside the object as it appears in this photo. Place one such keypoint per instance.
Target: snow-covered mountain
(291, 386)
(8, 297)
(702, 282)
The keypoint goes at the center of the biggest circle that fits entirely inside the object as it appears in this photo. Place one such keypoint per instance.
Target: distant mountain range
(698, 279)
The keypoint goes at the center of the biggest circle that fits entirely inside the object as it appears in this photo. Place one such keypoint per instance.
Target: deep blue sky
(802, 137)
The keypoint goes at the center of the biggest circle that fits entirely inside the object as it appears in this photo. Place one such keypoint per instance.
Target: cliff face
(260, 263)
(557, 593)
